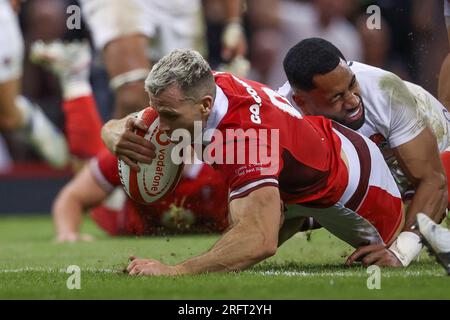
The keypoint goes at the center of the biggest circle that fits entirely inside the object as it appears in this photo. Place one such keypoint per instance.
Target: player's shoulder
(373, 76)
(376, 84)
(366, 70)
(236, 87)
(241, 98)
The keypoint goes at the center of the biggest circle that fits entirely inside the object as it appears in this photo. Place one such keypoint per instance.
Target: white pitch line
(301, 274)
(49, 270)
(386, 274)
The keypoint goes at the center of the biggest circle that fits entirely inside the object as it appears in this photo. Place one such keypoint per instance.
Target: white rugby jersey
(396, 111)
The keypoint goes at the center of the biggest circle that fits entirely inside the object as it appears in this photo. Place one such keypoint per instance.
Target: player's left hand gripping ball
(155, 180)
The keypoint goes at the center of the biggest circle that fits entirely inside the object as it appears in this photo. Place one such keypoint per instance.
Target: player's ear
(206, 105)
(300, 101)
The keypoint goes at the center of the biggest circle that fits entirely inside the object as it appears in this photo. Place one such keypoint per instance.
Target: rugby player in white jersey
(409, 125)
(17, 112)
(124, 30)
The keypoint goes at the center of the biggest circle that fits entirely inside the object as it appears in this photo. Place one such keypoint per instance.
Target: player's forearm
(430, 198)
(444, 80)
(238, 249)
(110, 130)
(233, 9)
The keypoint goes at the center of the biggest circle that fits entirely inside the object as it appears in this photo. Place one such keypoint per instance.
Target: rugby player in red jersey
(315, 166)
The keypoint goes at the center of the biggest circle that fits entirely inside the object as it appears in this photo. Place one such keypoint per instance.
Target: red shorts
(120, 222)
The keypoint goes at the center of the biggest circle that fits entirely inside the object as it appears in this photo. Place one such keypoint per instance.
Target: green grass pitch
(33, 267)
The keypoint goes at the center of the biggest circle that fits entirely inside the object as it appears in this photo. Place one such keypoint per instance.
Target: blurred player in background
(198, 203)
(408, 124)
(70, 62)
(125, 30)
(16, 111)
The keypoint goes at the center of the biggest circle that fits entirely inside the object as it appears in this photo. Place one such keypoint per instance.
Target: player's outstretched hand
(149, 267)
(121, 139)
(374, 254)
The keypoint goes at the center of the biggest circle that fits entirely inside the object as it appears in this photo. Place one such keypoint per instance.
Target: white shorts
(11, 44)
(170, 24)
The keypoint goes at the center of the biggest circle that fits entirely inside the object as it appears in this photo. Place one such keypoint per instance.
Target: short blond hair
(185, 68)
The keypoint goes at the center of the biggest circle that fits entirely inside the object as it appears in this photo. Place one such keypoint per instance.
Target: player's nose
(352, 101)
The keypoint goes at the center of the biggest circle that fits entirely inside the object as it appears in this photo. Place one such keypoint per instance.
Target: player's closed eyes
(352, 83)
(168, 115)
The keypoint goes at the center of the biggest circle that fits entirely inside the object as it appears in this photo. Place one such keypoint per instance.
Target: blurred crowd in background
(412, 43)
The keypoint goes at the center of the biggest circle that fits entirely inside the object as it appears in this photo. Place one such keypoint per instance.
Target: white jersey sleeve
(405, 123)
(447, 8)
(390, 108)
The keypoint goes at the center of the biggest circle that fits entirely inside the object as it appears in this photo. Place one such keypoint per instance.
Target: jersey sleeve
(406, 122)
(249, 163)
(105, 170)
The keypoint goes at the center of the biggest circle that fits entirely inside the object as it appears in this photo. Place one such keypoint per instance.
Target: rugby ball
(156, 180)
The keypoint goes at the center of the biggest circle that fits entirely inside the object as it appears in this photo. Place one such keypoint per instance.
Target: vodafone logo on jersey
(163, 141)
(156, 180)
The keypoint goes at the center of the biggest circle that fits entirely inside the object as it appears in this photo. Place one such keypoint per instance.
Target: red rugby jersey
(305, 161)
